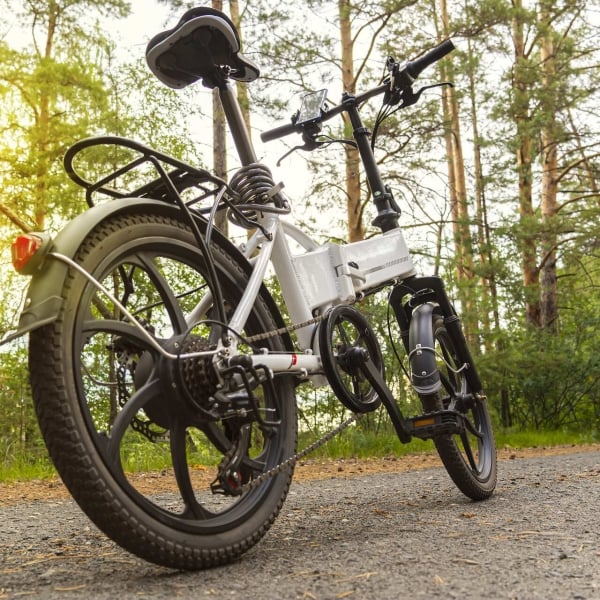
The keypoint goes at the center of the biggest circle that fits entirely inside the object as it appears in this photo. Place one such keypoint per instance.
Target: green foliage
(550, 381)
(22, 450)
(357, 443)
(67, 83)
(548, 438)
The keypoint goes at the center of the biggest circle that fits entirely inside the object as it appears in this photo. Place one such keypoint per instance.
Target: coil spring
(254, 186)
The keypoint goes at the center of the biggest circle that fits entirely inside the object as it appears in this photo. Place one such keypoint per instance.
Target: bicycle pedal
(434, 424)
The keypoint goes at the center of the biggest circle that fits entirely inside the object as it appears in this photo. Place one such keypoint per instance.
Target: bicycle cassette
(343, 332)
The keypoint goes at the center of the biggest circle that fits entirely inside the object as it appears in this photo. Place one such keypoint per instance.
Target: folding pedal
(433, 424)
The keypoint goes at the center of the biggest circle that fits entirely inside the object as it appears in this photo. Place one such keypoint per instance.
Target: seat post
(237, 125)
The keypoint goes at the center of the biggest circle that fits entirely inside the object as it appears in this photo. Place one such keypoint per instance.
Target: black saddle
(199, 47)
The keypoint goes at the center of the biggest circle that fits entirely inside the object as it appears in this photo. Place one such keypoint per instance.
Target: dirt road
(356, 534)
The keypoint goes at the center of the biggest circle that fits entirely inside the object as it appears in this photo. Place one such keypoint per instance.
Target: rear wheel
(469, 457)
(111, 405)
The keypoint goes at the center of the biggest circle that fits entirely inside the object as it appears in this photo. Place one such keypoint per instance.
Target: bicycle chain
(287, 329)
(292, 460)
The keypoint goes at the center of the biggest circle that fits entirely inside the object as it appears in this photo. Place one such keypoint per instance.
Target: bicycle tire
(470, 460)
(153, 263)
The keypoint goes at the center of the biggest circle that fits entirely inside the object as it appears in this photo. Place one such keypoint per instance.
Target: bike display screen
(311, 107)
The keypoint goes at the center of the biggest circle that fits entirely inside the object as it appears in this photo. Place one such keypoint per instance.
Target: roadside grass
(544, 439)
(351, 443)
(26, 468)
(356, 444)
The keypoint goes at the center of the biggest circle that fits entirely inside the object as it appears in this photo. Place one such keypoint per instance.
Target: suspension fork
(416, 312)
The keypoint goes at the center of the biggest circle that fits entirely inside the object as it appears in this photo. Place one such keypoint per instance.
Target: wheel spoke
(165, 291)
(343, 333)
(450, 389)
(119, 329)
(254, 465)
(469, 452)
(473, 430)
(137, 401)
(177, 438)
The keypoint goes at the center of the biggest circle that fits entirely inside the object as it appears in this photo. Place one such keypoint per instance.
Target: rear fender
(44, 296)
(44, 299)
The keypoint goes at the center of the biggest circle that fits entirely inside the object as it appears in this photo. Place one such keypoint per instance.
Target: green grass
(26, 468)
(358, 444)
(349, 444)
(543, 439)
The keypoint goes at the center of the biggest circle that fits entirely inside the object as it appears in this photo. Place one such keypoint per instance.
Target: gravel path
(381, 536)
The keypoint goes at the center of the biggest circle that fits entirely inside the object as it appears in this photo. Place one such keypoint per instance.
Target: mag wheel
(469, 457)
(116, 399)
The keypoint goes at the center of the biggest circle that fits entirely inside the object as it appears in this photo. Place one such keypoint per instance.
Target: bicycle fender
(425, 376)
(44, 300)
(44, 296)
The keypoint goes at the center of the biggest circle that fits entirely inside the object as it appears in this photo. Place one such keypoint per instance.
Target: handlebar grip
(278, 132)
(415, 67)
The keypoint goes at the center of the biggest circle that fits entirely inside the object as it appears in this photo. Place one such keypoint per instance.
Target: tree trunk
(528, 223)
(465, 269)
(40, 146)
(490, 302)
(549, 203)
(356, 229)
(241, 88)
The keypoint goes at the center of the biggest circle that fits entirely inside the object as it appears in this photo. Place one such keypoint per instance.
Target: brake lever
(303, 147)
(408, 97)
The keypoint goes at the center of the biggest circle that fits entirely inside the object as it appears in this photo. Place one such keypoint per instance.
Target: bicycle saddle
(204, 41)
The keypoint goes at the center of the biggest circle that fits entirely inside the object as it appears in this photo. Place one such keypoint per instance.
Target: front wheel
(112, 406)
(469, 457)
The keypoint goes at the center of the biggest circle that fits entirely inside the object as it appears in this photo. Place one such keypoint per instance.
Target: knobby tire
(147, 259)
(470, 461)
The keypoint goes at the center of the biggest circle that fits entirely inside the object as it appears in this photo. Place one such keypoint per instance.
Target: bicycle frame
(322, 276)
(315, 280)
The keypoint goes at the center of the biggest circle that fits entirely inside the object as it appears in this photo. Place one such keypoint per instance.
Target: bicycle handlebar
(410, 71)
(415, 67)
(278, 132)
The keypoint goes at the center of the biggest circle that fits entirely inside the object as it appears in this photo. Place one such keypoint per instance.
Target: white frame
(390, 262)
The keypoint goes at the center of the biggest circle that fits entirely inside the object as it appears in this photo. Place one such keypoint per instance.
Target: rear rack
(173, 176)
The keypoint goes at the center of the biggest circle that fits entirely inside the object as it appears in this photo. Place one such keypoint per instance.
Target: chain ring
(343, 328)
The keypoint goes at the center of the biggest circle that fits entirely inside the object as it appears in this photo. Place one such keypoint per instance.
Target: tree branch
(14, 218)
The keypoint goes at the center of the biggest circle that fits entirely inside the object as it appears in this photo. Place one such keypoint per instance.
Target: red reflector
(23, 250)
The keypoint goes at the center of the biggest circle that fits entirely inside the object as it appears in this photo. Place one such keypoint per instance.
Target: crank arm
(358, 358)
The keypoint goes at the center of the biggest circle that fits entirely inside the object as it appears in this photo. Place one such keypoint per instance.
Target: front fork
(414, 316)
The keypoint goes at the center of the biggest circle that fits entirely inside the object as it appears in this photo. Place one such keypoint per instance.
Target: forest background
(498, 177)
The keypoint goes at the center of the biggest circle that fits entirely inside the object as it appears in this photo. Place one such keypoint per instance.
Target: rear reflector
(23, 249)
